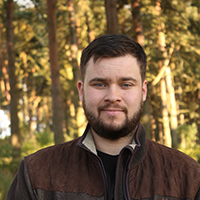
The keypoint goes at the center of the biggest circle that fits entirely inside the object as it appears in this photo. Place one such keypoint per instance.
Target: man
(113, 159)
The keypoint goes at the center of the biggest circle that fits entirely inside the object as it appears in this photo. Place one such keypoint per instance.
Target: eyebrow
(128, 79)
(98, 79)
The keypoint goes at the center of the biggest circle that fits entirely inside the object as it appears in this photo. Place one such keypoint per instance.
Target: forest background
(40, 47)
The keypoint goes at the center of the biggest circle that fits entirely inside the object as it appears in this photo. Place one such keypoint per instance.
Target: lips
(112, 112)
(112, 109)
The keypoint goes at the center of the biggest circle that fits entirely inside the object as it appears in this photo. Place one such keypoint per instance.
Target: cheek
(133, 100)
(93, 98)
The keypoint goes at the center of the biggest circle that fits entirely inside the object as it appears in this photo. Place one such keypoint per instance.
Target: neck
(112, 147)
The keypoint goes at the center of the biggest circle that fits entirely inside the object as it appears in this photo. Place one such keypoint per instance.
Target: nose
(113, 94)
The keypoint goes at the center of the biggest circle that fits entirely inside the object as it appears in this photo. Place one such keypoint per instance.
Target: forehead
(122, 66)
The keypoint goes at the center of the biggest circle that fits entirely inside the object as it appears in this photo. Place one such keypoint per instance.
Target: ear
(144, 90)
(80, 90)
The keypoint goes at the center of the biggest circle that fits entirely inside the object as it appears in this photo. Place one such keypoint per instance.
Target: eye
(99, 85)
(126, 85)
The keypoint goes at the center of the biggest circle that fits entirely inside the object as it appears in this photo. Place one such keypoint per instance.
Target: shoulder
(50, 163)
(166, 172)
(53, 153)
(176, 169)
(172, 158)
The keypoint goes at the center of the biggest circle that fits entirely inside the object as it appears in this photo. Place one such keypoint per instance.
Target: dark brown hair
(110, 46)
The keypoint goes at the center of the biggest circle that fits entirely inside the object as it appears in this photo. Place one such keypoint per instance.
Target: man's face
(112, 95)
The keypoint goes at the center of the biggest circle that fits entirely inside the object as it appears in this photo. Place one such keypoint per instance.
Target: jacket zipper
(127, 173)
(102, 170)
(125, 179)
(104, 177)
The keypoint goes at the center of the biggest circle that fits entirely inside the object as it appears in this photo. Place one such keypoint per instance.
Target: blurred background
(40, 48)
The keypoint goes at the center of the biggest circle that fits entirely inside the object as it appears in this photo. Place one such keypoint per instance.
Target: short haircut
(110, 46)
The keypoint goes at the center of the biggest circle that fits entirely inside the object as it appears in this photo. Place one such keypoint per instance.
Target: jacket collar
(139, 142)
(140, 138)
(86, 141)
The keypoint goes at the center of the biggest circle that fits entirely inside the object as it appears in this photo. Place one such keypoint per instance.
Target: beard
(111, 131)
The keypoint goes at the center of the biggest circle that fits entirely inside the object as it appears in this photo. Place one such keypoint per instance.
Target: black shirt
(110, 163)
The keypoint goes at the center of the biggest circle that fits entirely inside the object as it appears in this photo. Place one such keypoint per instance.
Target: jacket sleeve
(21, 186)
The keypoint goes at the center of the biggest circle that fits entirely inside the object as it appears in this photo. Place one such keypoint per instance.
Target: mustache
(110, 105)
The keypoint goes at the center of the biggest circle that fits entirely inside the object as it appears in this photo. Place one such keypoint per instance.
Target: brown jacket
(145, 170)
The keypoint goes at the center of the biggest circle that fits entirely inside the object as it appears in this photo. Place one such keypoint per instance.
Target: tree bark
(15, 131)
(5, 86)
(163, 63)
(137, 22)
(198, 110)
(165, 118)
(111, 16)
(138, 30)
(57, 104)
(75, 67)
(173, 109)
(88, 27)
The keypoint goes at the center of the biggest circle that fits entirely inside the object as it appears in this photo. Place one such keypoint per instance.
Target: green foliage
(6, 179)
(45, 138)
(6, 154)
(190, 140)
(36, 141)
(8, 166)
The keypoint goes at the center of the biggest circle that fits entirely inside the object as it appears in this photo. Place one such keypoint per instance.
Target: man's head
(113, 85)
(111, 46)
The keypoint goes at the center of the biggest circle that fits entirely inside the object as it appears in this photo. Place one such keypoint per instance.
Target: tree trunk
(38, 118)
(138, 30)
(15, 131)
(165, 118)
(5, 87)
(75, 68)
(173, 109)
(31, 97)
(88, 27)
(198, 110)
(137, 22)
(111, 16)
(163, 63)
(74, 46)
(181, 120)
(57, 104)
